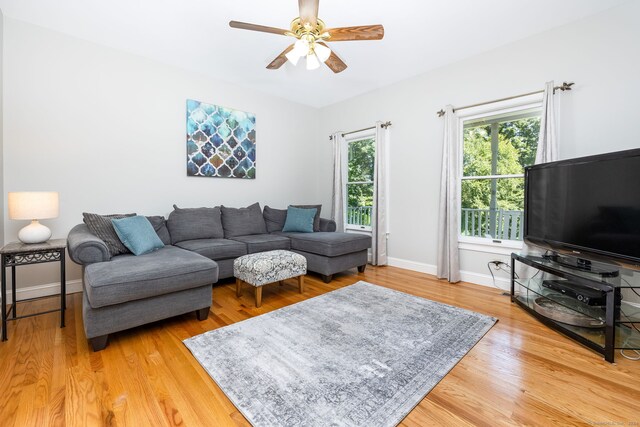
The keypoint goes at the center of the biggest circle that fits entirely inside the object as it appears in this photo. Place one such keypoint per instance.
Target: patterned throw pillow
(101, 226)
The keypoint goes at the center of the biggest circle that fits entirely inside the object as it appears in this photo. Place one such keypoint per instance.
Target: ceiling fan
(312, 35)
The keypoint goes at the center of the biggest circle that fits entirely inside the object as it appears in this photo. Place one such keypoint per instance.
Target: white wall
(106, 129)
(600, 54)
(1, 122)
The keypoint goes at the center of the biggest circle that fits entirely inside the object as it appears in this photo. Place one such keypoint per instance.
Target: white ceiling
(420, 35)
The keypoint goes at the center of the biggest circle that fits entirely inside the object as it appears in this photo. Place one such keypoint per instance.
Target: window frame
(357, 136)
(484, 244)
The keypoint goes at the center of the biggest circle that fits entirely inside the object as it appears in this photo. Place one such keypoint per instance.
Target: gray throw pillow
(316, 219)
(194, 223)
(101, 226)
(274, 218)
(243, 221)
(160, 226)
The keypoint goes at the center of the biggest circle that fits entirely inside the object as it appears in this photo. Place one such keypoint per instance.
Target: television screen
(589, 205)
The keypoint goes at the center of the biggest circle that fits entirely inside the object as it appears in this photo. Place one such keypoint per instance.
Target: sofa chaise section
(329, 253)
(126, 291)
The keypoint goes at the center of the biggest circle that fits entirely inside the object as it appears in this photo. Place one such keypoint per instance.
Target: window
(360, 160)
(496, 147)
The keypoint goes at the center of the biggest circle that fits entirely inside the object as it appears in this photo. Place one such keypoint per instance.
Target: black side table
(17, 253)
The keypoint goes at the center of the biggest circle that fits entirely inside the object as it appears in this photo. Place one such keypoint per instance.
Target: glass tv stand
(585, 306)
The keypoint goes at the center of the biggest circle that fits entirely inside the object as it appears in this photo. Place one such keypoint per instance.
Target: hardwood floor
(520, 373)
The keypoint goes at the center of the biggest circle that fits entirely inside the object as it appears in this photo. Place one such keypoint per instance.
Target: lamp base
(34, 233)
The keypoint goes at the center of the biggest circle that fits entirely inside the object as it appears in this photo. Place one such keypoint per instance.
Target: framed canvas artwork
(221, 142)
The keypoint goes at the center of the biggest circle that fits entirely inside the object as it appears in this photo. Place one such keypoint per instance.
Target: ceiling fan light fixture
(323, 52)
(301, 47)
(293, 57)
(311, 33)
(312, 62)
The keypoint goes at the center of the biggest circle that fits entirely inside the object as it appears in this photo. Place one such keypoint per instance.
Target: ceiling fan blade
(308, 11)
(254, 27)
(334, 62)
(363, 32)
(280, 59)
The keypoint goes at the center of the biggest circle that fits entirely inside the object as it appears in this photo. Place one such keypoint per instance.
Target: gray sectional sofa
(125, 291)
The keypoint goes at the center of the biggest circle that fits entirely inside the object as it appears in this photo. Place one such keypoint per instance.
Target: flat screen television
(588, 207)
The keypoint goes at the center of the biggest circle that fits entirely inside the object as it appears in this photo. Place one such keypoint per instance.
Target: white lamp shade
(323, 52)
(300, 49)
(33, 205)
(293, 57)
(312, 62)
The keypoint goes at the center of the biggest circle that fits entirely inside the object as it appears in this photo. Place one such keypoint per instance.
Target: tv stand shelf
(554, 292)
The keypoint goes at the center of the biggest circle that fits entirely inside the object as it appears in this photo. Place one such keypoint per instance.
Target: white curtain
(379, 220)
(547, 141)
(448, 256)
(337, 205)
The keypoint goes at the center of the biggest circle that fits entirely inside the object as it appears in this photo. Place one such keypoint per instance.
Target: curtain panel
(379, 220)
(337, 205)
(547, 142)
(448, 255)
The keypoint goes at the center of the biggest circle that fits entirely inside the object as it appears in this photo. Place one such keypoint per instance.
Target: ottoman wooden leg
(301, 283)
(238, 287)
(281, 282)
(258, 296)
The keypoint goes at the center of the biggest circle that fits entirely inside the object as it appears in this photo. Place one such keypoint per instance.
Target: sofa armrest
(85, 247)
(327, 224)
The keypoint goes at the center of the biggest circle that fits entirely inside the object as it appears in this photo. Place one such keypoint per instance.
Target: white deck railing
(499, 224)
(359, 215)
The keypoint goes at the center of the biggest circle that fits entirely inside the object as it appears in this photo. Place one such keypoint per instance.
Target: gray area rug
(363, 355)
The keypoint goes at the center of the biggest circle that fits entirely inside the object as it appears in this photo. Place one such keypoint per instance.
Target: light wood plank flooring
(520, 373)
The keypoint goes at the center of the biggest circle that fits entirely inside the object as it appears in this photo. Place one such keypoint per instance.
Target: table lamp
(33, 205)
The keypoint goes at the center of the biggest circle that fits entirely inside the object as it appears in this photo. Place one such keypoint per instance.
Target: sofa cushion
(215, 248)
(137, 234)
(274, 218)
(243, 221)
(329, 243)
(316, 218)
(299, 219)
(194, 223)
(129, 277)
(264, 242)
(159, 224)
(101, 226)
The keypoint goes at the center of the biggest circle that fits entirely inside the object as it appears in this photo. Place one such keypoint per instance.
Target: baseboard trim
(485, 280)
(412, 265)
(45, 290)
(465, 276)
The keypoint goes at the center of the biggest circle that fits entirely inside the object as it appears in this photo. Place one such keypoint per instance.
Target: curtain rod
(563, 87)
(383, 125)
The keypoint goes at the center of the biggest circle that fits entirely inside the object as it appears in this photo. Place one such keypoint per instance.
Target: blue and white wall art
(221, 142)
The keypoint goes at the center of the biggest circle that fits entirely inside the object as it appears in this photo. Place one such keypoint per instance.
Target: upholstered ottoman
(262, 268)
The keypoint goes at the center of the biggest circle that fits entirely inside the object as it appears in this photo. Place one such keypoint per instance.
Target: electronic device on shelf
(587, 208)
(584, 294)
(582, 264)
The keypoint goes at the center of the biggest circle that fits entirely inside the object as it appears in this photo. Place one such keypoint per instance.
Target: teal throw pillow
(299, 220)
(137, 234)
